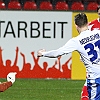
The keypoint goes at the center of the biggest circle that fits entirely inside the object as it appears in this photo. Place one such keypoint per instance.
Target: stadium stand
(14, 5)
(30, 5)
(45, 5)
(92, 6)
(77, 6)
(61, 5)
(71, 5)
(2, 5)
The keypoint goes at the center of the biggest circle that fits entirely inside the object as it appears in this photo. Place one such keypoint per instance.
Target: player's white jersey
(87, 43)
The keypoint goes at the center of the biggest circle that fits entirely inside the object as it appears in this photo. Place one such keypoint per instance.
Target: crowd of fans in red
(75, 5)
(37, 71)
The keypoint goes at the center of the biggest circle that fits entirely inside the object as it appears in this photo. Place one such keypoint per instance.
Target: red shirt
(94, 25)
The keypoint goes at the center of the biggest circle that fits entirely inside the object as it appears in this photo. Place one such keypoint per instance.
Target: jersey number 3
(92, 51)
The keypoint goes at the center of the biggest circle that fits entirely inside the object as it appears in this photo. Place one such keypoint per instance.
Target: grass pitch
(43, 89)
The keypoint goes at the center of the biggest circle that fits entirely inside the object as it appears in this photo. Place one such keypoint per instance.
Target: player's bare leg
(5, 85)
(10, 80)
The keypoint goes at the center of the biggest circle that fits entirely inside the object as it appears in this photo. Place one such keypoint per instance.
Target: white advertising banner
(28, 31)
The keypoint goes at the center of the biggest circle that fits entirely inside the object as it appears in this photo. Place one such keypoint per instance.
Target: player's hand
(39, 53)
(11, 77)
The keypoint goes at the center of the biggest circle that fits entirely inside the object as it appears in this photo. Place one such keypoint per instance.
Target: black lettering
(6, 31)
(35, 29)
(81, 42)
(96, 36)
(91, 38)
(54, 35)
(62, 27)
(87, 39)
(22, 29)
(44, 30)
(0, 26)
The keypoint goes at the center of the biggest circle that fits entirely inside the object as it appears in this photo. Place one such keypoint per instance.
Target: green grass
(43, 89)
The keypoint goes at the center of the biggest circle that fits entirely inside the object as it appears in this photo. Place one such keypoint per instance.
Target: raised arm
(67, 48)
(23, 58)
(16, 57)
(1, 60)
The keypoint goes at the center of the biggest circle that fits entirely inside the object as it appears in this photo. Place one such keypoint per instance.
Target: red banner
(37, 71)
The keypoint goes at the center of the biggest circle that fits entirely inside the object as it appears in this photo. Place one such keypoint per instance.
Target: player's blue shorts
(93, 89)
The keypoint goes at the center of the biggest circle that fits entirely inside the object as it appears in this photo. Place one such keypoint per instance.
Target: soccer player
(10, 80)
(87, 44)
(93, 25)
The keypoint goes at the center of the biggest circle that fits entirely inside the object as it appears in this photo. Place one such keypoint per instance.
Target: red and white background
(23, 33)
